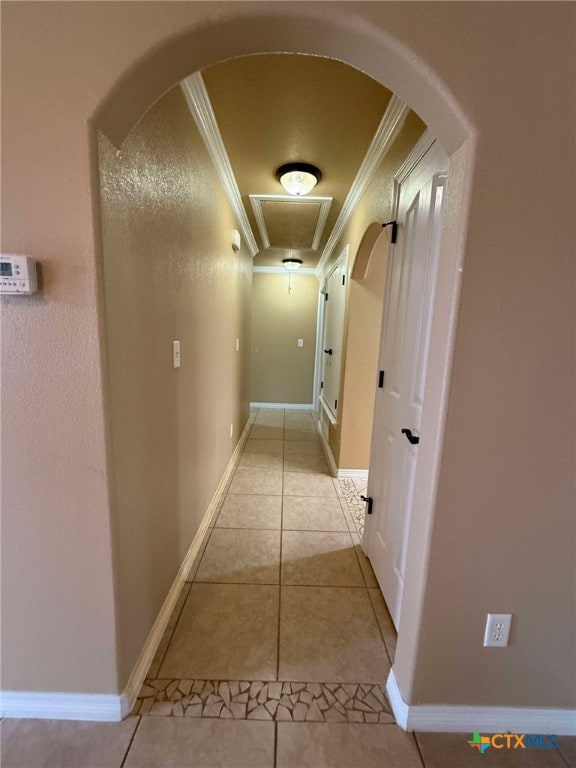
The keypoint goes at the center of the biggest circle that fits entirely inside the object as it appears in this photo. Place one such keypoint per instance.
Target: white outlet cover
(497, 630)
(176, 354)
(300, 342)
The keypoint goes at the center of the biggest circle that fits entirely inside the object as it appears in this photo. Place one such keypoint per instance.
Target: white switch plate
(497, 630)
(237, 345)
(176, 354)
(300, 342)
(231, 430)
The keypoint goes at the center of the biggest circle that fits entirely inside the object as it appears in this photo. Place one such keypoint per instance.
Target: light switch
(300, 342)
(176, 354)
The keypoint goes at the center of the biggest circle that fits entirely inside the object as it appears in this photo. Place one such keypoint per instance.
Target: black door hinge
(335, 404)
(321, 385)
(381, 380)
(325, 297)
(369, 501)
(343, 279)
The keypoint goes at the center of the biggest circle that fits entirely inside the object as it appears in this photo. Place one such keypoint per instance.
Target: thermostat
(17, 274)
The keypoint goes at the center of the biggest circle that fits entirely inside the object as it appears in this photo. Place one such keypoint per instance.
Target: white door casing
(407, 318)
(332, 339)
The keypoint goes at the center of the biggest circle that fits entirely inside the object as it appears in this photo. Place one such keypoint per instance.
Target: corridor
(278, 648)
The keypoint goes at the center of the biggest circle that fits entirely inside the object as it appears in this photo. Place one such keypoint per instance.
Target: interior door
(408, 305)
(334, 307)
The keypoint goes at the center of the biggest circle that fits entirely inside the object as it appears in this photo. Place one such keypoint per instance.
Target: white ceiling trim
(284, 271)
(416, 154)
(324, 202)
(390, 125)
(200, 107)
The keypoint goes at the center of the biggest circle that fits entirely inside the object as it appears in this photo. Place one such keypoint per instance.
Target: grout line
(280, 566)
(131, 741)
(275, 743)
(419, 749)
(189, 583)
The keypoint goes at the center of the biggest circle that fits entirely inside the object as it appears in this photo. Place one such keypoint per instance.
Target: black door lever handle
(369, 501)
(412, 439)
(328, 351)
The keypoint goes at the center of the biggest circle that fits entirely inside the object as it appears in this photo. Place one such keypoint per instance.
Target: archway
(303, 30)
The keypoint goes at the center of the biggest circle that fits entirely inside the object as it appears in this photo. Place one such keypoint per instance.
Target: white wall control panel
(17, 274)
(176, 354)
(300, 342)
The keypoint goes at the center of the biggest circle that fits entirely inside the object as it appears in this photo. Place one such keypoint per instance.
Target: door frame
(308, 29)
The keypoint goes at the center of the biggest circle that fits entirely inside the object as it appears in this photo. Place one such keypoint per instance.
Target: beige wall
(350, 438)
(282, 372)
(170, 273)
(504, 528)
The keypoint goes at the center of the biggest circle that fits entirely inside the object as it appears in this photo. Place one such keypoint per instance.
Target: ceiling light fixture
(298, 178)
(292, 264)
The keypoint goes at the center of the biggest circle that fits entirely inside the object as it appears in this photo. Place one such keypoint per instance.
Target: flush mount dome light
(292, 264)
(298, 178)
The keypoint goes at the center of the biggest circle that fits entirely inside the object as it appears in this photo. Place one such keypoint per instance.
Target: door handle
(369, 501)
(412, 439)
(328, 351)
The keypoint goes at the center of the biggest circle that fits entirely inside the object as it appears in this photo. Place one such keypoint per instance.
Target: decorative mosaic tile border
(264, 700)
(355, 504)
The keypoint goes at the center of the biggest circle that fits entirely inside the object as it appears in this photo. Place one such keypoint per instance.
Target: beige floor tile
(384, 621)
(446, 749)
(324, 558)
(263, 432)
(245, 511)
(330, 634)
(345, 745)
(303, 484)
(364, 563)
(225, 632)
(168, 742)
(64, 743)
(312, 514)
(568, 749)
(237, 556)
(314, 463)
(258, 445)
(253, 460)
(266, 482)
(300, 434)
(300, 447)
(167, 636)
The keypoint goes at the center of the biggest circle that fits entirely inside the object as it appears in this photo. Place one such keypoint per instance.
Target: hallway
(279, 646)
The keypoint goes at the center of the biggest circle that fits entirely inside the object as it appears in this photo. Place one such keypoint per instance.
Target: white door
(334, 307)
(407, 316)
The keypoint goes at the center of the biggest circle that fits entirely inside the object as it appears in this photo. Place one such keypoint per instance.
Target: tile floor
(279, 646)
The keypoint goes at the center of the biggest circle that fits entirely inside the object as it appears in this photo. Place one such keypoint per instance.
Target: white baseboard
(114, 707)
(327, 451)
(464, 719)
(61, 706)
(353, 474)
(285, 406)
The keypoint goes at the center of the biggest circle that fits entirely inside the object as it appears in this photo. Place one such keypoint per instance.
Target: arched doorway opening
(304, 31)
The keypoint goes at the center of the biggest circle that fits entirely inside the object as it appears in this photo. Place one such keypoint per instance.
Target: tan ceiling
(278, 108)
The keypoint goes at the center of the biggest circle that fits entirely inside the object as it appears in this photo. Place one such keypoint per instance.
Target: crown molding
(416, 154)
(284, 271)
(324, 203)
(390, 125)
(200, 107)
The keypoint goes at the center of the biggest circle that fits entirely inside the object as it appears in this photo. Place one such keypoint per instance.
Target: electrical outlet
(231, 430)
(497, 630)
(237, 345)
(300, 342)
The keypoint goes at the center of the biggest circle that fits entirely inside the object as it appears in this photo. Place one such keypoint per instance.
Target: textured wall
(506, 497)
(282, 372)
(170, 273)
